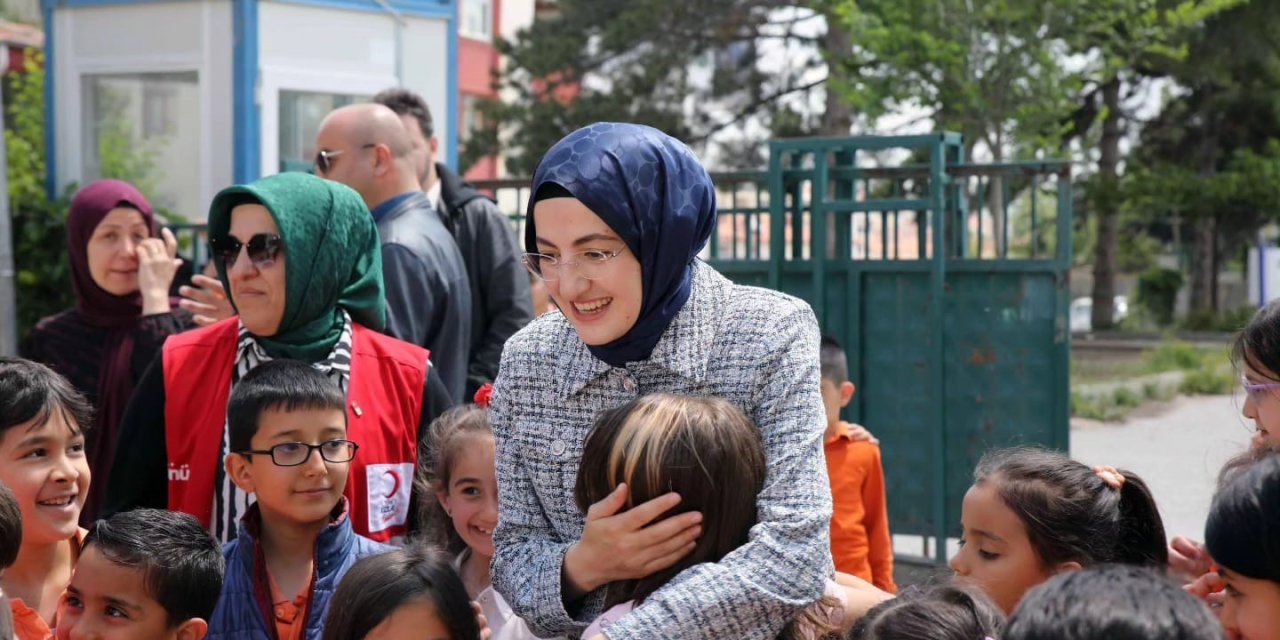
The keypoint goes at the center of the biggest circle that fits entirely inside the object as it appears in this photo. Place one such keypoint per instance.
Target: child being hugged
(459, 469)
(1033, 513)
(43, 461)
(710, 453)
(287, 431)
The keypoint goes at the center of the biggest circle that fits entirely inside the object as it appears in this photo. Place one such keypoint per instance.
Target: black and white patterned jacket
(754, 347)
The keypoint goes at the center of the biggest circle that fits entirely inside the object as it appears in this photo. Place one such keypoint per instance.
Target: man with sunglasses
(366, 147)
(501, 303)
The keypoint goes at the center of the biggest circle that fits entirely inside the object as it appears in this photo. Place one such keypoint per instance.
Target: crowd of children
(1051, 548)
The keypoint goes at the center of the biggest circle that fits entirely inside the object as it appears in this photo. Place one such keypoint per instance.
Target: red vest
(384, 405)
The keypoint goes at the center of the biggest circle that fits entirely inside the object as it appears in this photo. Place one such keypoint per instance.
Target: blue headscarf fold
(652, 191)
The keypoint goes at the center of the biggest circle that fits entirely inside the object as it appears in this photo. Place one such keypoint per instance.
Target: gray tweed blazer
(754, 347)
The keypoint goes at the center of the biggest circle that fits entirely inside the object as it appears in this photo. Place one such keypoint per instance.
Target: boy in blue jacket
(286, 432)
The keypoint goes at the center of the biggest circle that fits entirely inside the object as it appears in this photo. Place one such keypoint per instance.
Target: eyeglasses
(263, 249)
(587, 264)
(292, 454)
(324, 157)
(1255, 390)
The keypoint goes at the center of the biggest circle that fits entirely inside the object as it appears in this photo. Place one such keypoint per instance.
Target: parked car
(1081, 313)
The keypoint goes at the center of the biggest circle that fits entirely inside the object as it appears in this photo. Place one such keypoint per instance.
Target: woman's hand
(207, 300)
(1188, 559)
(626, 546)
(859, 596)
(483, 622)
(158, 262)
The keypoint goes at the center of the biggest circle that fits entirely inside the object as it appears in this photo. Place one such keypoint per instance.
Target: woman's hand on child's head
(1188, 559)
(859, 433)
(1206, 588)
(629, 545)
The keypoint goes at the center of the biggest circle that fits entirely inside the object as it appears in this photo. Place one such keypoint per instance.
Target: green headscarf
(333, 259)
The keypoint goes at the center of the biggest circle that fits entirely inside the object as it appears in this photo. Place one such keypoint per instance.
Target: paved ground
(1178, 449)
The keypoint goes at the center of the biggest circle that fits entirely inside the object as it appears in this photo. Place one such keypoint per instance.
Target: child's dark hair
(949, 611)
(180, 562)
(705, 449)
(447, 437)
(30, 391)
(1258, 343)
(378, 585)
(1071, 514)
(1111, 601)
(282, 385)
(834, 361)
(10, 527)
(1242, 532)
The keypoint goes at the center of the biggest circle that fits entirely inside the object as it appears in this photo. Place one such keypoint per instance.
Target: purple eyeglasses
(1255, 390)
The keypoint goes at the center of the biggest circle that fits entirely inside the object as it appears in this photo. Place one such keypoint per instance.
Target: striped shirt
(755, 348)
(229, 501)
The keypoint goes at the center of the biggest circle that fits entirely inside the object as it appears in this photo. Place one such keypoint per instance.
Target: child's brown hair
(446, 438)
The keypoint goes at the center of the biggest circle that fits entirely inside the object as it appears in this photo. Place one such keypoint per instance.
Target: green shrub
(1157, 293)
(1208, 382)
(1126, 398)
(1173, 356)
(1229, 321)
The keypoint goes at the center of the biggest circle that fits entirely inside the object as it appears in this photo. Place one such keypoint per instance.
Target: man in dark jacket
(366, 147)
(500, 300)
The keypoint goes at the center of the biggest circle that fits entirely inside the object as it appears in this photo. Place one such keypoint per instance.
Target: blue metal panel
(451, 93)
(246, 114)
(50, 113)
(415, 8)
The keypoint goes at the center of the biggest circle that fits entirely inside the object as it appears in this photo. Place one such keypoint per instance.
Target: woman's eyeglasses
(587, 264)
(263, 249)
(1255, 390)
(324, 157)
(292, 454)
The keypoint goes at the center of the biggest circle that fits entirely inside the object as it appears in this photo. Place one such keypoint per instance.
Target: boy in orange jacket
(860, 540)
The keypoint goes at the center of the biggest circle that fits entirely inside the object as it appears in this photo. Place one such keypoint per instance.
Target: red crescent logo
(395, 479)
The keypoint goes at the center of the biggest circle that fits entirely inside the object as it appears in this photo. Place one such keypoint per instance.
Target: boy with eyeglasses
(287, 429)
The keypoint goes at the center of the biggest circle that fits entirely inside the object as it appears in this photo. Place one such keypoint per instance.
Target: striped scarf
(229, 502)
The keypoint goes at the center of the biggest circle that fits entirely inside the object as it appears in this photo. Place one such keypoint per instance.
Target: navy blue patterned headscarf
(652, 191)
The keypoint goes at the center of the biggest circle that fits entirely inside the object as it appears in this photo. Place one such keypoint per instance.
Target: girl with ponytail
(1033, 513)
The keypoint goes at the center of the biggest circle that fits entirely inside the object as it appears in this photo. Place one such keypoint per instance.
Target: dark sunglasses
(263, 249)
(324, 157)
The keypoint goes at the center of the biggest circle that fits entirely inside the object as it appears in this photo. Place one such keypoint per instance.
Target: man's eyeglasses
(1255, 390)
(292, 454)
(587, 264)
(324, 157)
(263, 249)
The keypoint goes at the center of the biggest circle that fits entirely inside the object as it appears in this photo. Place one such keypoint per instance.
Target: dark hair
(1242, 532)
(10, 527)
(30, 391)
(835, 364)
(180, 562)
(1116, 602)
(1258, 343)
(1071, 514)
(447, 436)
(705, 449)
(1244, 461)
(948, 611)
(378, 585)
(283, 385)
(408, 103)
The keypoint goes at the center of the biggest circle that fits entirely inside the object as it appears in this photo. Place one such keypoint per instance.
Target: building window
(300, 115)
(471, 118)
(477, 19)
(146, 128)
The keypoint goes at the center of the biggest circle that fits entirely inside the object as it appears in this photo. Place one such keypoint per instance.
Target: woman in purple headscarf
(121, 270)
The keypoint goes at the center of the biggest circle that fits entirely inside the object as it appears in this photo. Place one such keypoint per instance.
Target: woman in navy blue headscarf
(618, 215)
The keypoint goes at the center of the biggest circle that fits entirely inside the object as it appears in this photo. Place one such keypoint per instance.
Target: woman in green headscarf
(300, 259)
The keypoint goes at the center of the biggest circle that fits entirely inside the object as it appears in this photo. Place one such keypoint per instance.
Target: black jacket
(500, 302)
(428, 296)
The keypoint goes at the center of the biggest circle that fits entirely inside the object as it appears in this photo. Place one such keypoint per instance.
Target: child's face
(835, 397)
(301, 494)
(1263, 407)
(108, 601)
(996, 555)
(471, 499)
(413, 620)
(48, 471)
(1252, 608)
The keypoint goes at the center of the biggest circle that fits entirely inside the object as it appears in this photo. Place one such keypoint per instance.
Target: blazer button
(629, 384)
(558, 447)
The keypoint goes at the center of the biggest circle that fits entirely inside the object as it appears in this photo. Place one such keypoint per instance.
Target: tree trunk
(1202, 265)
(837, 120)
(1108, 246)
